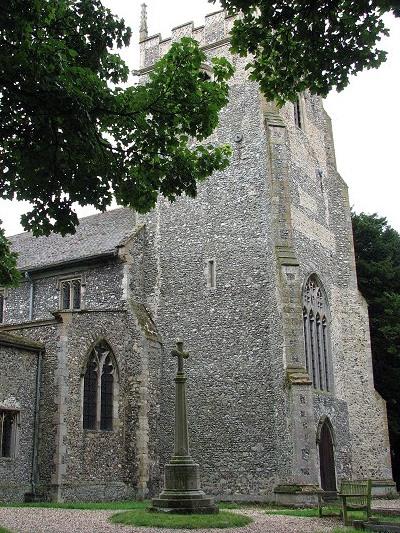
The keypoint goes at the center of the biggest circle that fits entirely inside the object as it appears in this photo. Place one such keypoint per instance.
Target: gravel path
(36, 520)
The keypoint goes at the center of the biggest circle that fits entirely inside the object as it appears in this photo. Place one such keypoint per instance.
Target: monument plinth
(182, 492)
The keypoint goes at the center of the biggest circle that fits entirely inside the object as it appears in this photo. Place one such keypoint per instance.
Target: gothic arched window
(316, 334)
(100, 389)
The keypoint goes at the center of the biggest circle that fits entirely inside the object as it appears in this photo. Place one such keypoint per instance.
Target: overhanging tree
(70, 133)
(307, 44)
(377, 251)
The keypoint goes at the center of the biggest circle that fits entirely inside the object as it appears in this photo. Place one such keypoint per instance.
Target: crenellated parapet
(213, 33)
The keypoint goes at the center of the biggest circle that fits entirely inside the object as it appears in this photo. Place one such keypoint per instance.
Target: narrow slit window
(297, 113)
(90, 396)
(325, 353)
(1, 307)
(312, 346)
(212, 281)
(319, 355)
(76, 293)
(8, 433)
(107, 385)
(306, 338)
(66, 295)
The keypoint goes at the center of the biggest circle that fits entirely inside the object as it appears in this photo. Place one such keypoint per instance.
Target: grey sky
(365, 116)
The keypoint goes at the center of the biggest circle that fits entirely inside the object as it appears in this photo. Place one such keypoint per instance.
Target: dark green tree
(9, 275)
(71, 132)
(377, 250)
(308, 44)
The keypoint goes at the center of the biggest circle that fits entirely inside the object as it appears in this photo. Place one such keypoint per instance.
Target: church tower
(257, 275)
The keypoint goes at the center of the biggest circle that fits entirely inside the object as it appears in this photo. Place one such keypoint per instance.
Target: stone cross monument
(182, 492)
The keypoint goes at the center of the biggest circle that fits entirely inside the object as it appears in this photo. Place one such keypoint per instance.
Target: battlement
(214, 32)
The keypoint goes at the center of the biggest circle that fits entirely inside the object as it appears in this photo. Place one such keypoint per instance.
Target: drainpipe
(34, 478)
(29, 278)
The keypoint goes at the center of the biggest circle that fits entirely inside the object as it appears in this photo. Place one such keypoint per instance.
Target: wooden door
(327, 459)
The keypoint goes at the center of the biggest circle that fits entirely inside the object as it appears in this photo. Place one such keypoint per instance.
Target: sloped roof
(7, 339)
(96, 235)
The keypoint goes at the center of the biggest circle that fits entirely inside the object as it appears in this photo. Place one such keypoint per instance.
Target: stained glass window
(99, 389)
(316, 334)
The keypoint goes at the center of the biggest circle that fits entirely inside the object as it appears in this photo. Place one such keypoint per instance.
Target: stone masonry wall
(18, 392)
(77, 464)
(101, 289)
(238, 406)
(323, 243)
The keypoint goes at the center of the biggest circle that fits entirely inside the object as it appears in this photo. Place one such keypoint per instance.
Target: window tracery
(71, 294)
(316, 334)
(100, 383)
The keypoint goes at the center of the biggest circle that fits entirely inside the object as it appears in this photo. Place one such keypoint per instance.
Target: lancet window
(70, 294)
(1, 306)
(297, 114)
(100, 389)
(8, 433)
(316, 334)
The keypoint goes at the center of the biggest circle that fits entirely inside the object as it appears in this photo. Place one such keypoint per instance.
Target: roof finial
(143, 34)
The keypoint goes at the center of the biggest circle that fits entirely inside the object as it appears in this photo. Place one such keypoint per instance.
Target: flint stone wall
(238, 403)
(18, 391)
(101, 289)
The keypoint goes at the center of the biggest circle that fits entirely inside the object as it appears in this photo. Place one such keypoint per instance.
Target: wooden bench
(356, 496)
(326, 499)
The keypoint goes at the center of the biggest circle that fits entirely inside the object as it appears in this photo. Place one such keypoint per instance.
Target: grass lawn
(335, 512)
(3, 530)
(332, 511)
(140, 517)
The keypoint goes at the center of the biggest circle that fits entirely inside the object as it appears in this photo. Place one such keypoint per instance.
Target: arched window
(316, 334)
(99, 389)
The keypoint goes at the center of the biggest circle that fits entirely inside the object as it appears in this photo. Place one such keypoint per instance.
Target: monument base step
(184, 505)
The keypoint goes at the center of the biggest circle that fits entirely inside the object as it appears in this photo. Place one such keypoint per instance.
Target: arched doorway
(326, 457)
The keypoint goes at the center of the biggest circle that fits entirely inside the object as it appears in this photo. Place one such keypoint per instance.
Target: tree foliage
(70, 132)
(9, 275)
(304, 44)
(377, 250)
